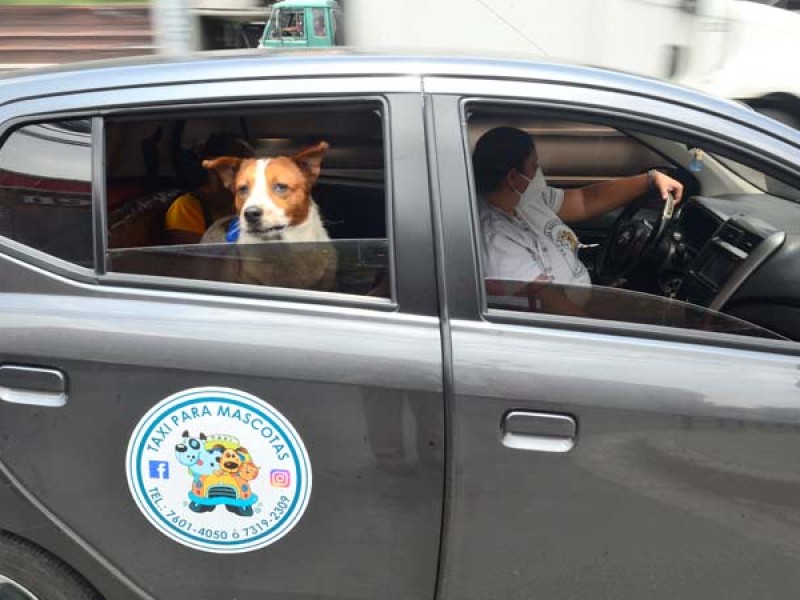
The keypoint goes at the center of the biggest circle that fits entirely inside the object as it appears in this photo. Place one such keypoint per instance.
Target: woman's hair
(497, 152)
(225, 144)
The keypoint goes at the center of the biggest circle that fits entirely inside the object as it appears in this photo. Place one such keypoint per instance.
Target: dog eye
(280, 188)
(180, 448)
(194, 444)
(242, 190)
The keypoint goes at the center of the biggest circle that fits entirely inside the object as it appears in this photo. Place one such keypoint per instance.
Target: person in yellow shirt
(192, 213)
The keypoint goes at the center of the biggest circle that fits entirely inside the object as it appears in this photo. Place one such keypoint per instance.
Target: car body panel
(679, 481)
(289, 354)
(682, 467)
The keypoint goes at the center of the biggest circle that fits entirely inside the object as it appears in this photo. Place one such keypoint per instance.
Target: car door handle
(33, 385)
(540, 432)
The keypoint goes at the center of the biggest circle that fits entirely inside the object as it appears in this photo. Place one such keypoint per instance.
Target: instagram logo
(280, 478)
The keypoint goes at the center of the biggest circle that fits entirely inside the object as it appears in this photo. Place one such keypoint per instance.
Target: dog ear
(310, 159)
(186, 433)
(202, 436)
(226, 167)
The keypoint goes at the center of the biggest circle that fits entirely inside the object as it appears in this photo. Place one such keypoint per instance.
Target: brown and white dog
(274, 203)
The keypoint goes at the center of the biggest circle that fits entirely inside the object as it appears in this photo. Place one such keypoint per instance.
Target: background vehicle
(303, 24)
(730, 48)
(229, 24)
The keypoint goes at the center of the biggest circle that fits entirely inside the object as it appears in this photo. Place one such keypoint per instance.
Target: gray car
(175, 424)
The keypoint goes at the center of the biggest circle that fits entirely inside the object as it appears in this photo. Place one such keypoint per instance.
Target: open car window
(724, 261)
(182, 190)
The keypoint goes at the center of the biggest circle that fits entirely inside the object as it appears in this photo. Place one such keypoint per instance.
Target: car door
(115, 385)
(596, 460)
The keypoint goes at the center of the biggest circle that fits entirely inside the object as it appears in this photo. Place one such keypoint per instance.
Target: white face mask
(535, 189)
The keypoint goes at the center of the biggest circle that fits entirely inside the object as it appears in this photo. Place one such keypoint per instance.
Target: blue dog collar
(232, 234)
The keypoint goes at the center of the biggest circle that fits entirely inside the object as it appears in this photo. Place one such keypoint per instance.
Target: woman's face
(519, 179)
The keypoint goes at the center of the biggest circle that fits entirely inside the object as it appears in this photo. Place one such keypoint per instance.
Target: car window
(320, 23)
(758, 179)
(292, 25)
(45, 189)
(281, 197)
(720, 263)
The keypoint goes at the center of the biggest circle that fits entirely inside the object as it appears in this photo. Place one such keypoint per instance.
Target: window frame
(34, 256)
(217, 288)
(623, 120)
(100, 277)
(315, 12)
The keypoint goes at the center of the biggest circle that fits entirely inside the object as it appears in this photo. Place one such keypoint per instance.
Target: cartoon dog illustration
(191, 452)
(231, 459)
(223, 478)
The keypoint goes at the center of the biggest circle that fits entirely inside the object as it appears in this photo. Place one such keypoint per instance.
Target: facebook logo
(159, 469)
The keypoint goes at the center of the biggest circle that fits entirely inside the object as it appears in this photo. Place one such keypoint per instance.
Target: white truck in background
(733, 48)
(182, 26)
(228, 23)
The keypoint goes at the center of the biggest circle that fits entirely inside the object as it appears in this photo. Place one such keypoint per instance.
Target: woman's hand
(666, 185)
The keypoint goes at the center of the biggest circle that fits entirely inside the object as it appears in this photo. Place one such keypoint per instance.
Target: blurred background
(740, 49)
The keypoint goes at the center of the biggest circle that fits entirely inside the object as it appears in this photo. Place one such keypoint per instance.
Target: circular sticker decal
(218, 470)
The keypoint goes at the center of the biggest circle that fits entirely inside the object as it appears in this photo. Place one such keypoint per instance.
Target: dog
(231, 460)
(274, 203)
(191, 453)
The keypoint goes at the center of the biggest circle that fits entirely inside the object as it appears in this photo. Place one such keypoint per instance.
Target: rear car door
(599, 459)
(206, 439)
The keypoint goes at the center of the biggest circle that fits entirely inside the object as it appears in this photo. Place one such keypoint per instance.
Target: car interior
(724, 260)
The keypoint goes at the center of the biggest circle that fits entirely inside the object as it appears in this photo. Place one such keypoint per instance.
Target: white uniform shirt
(535, 244)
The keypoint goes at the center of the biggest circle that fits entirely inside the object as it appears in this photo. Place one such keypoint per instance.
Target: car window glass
(292, 25)
(764, 182)
(280, 197)
(320, 24)
(45, 189)
(721, 263)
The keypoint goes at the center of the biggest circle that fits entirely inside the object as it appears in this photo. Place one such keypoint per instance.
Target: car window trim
(99, 216)
(29, 254)
(612, 118)
(244, 291)
(216, 108)
(99, 274)
(641, 331)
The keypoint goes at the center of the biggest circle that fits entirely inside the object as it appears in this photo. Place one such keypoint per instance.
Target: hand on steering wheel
(630, 240)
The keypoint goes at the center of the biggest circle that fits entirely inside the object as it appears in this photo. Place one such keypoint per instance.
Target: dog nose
(252, 214)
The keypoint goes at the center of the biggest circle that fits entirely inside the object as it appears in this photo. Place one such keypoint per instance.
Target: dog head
(187, 451)
(231, 460)
(271, 194)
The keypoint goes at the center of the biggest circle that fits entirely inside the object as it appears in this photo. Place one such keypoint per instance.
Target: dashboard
(740, 255)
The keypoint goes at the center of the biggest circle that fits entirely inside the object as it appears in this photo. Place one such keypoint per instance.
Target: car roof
(336, 62)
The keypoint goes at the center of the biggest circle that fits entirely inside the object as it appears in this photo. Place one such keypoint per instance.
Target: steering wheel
(631, 239)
